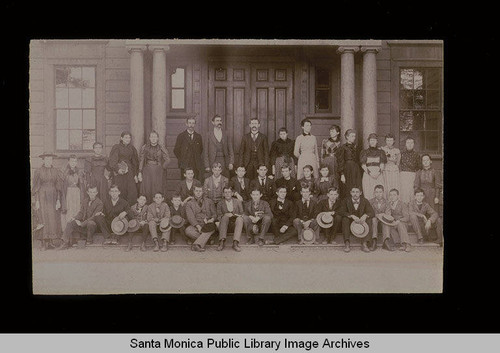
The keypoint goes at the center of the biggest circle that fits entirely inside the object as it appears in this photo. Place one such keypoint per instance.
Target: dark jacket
(236, 186)
(283, 215)
(324, 206)
(183, 190)
(210, 149)
(268, 190)
(87, 212)
(110, 211)
(186, 150)
(306, 213)
(292, 188)
(222, 208)
(347, 208)
(262, 149)
(262, 206)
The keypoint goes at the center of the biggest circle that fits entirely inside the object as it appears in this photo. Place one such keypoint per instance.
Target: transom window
(420, 108)
(178, 89)
(323, 100)
(75, 107)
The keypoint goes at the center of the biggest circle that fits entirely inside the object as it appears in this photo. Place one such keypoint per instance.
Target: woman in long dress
(409, 166)
(73, 190)
(47, 194)
(330, 148)
(391, 170)
(306, 150)
(97, 172)
(124, 162)
(348, 162)
(281, 153)
(153, 160)
(373, 161)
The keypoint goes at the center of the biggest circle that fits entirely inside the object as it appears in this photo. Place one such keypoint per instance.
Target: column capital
(158, 47)
(370, 49)
(347, 49)
(136, 47)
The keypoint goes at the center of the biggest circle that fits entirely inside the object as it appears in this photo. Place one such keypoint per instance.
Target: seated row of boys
(225, 207)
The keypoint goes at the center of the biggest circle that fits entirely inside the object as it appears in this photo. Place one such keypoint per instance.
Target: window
(420, 108)
(75, 107)
(323, 91)
(178, 89)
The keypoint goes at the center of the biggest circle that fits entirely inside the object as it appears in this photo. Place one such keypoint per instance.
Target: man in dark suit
(230, 215)
(114, 206)
(257, 212)
(240, 185)
(283, 216)
(188, 149)
(306, 215)
(264, 183)
(218, 148)
(355, 209)
(185, 188)
(291, 184)
(254, 149)
(331, 204)
(83, 222)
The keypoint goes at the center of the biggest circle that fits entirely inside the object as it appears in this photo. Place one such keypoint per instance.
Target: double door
(240, 91)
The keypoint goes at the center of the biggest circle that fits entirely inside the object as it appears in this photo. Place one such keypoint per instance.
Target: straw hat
(359, 230)
(119, 226)
(308, 235)
(325, 219)
(133, 225)
(177, 221)
(386, 219)
(164, 224)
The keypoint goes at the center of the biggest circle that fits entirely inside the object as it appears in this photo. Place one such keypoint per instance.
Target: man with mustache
(218, 148)
(254, 149)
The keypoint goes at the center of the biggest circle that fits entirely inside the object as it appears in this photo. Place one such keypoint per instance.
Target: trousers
(231, 224)
(264, 222)
(279, 237)
(88, 228)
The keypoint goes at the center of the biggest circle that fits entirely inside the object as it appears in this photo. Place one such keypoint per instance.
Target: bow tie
(281, 203)
(304, 134)
(355, 202)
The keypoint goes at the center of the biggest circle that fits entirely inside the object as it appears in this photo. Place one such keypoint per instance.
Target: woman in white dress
(306, 150)
(391, 170)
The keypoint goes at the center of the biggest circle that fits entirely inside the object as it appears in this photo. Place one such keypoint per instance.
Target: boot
(387, 245)
(129, 247)
(164, 246)
(373, 246)
(222, 244)
(347, 247)
(157, 246)
(143, 246)
(364, 247)
(236, 246)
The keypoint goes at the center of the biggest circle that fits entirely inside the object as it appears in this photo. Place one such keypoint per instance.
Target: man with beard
(188, 149)
(254, 149)
(218, 148)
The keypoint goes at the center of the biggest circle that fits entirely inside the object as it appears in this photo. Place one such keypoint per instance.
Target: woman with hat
(282, 154)
(373, 160)
(73, 187)
(330, 148)
(47, 193)
(98, 172)
(348, 163)
(124, 162)
(153, 161)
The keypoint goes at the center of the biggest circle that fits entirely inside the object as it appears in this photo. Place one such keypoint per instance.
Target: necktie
(191, 136)
(262, 182)
(254, 137)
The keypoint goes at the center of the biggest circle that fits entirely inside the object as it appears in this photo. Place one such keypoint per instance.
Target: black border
(471, 266)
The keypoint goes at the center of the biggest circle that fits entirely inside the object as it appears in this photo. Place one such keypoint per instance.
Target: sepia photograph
(195, 166)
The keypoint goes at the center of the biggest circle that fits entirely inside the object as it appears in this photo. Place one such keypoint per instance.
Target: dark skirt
(353, 175)
(127, 186)
(49, 216)
(152, 181)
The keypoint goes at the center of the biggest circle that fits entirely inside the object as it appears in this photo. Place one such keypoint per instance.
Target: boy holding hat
(83, 221)
(306, 215)
(380, 205)
(257, 212)
(159, 219)
(201, 214)
(138, 220)
(398, 210)
(114, 208)
(283, 215)
(230, 216)
(186, 187)
(178, 218)
(328, 208)
(355, 209)
(423, 216)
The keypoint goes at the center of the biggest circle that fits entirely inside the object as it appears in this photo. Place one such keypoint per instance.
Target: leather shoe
(143, 247)
(251, 240)
(157, 247)
(373, 246)
(164, 246)
(260, 243)
(406, 247)
(347, 247)
(63, 246)
(236, 246)
(387, 245)
(129, 247)
(364, 247)
(420, 241)
(222, 244)
(197, 247)
(107, 241)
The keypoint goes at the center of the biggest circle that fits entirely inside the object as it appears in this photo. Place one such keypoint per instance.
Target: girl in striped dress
(391, 170)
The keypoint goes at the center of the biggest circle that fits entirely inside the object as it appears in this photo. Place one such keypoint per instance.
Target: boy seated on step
(177, 208)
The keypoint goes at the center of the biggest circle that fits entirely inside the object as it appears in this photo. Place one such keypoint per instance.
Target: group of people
(293, 189)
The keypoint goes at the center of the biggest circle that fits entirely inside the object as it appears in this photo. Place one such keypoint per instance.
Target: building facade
(83, 91)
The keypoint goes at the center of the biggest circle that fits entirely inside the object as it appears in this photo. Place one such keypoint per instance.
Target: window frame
(396, 67)
(171, 88)
(50, 130)
(328, 88)
(69, 109)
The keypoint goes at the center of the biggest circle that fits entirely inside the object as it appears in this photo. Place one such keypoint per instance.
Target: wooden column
(369, 83)
(137, 94)
(347, 97)
(159, 94)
